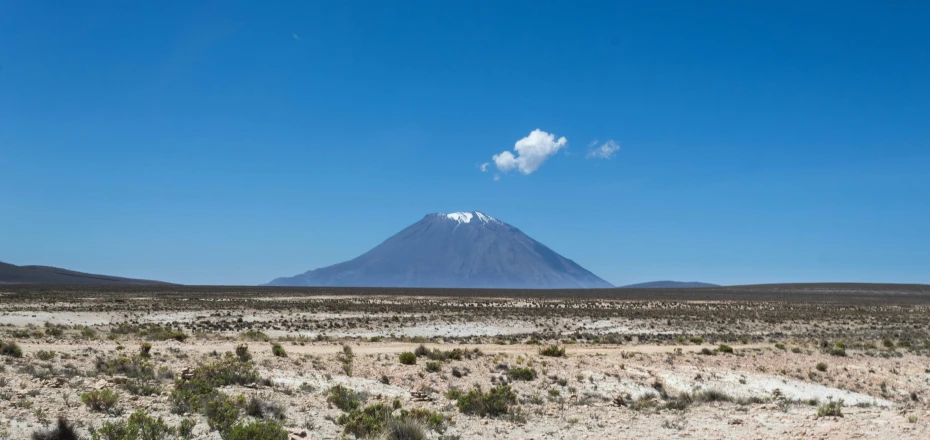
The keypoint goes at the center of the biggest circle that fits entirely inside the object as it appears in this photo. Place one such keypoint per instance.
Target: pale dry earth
(616, 348)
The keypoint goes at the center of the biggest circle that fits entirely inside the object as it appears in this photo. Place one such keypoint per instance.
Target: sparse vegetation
(408, 358)
(100, 400)
(831, 409)
(553, 351)
(495, 402)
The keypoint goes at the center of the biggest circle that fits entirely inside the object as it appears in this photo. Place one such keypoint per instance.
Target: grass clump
(553, 351)
(408, 358)
(254, 335)
(433, 367)
(10, 349)
(366, 422)
(724, 348)
(821, 366)
(257, 430)
(521, 373)
(62, 431)
(262, 408)
(145, 350)
(140, 425)
(100, 400)
(403, 429)
(278, 350)
(831, 409)
(43, 355)
(343, 398)
(242, 353)
(495, 402)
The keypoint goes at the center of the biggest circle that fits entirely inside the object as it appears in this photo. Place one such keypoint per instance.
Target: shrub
(142, 388)
(159, 333)
(261, 408)
(697, 340)
(780, 346)
(343, 398)
(433, 367)
(228, 371)
(43, 355)
(711, 396)
(10, 349)
(408, 358)
(724, 348)
(100, 400)
(257, 430)
(221, 413)
(495, 402)
(707, 352)
(420, 351)
(821, 366)
(242, 353)
(838, 351)
(552, 351)
(278, 350)
(831, 409)
(139, 426)
(403, 429)
(521, 373)
(431, 419)
(366, 422)
(254, 335)
(63, 431)
(144, 350)
(134, 367)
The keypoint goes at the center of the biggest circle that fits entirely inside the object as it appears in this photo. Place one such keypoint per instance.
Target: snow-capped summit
(465, 217)
(458, 249)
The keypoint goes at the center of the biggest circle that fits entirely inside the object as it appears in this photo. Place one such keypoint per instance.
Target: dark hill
(12, 274)
(669, 285)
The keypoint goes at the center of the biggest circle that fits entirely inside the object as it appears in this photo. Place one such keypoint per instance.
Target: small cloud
(605, 151)
(532, 151)
(497, 177)
(484, 166)
(296, 37)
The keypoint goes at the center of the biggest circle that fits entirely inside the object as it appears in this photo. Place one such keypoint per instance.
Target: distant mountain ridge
(669, 285)
(455, 250)
(13, 274)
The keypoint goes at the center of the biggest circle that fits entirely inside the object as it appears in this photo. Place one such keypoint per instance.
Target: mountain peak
(457, 249)
(466, 217)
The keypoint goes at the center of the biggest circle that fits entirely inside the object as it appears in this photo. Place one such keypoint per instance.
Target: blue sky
(231, 143)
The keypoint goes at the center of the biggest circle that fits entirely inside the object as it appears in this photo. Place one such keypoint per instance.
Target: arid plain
(780, 361)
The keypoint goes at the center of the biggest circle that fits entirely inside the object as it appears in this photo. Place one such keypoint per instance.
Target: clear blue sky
(231, 143)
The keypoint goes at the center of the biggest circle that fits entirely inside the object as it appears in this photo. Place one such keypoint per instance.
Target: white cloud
(532, 151)
(484, 167)
(497, 177)
(296, 37)
(605, 151)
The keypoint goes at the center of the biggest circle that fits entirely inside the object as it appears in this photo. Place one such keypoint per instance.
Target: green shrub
(454, 394)
(262, 408)
(838, 351)
(431, 419)
(707, 352)
(134, 367)
(366, 422)
(780, 346)
(159, 333)
(831, 409)
(227, 371)
(724, 348)
(278, 350)
(138, 387)
(433, 367)
(43, 355)
(711, 396)
(421, 351)
(408, 358)
(553, 351)
(343, 398)
(495, 402)
(145, 349)
(821, 366)
(10, 349)
(139, 426)
(257, 430)
(521, 373)
(100, 400)
(697, 340)
(255, 335)
(62, 431)
(222, 414)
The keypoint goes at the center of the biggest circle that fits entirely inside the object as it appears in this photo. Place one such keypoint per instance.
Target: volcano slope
(778, 361)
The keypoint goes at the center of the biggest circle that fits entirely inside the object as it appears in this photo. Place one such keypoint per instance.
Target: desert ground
(758, 362)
